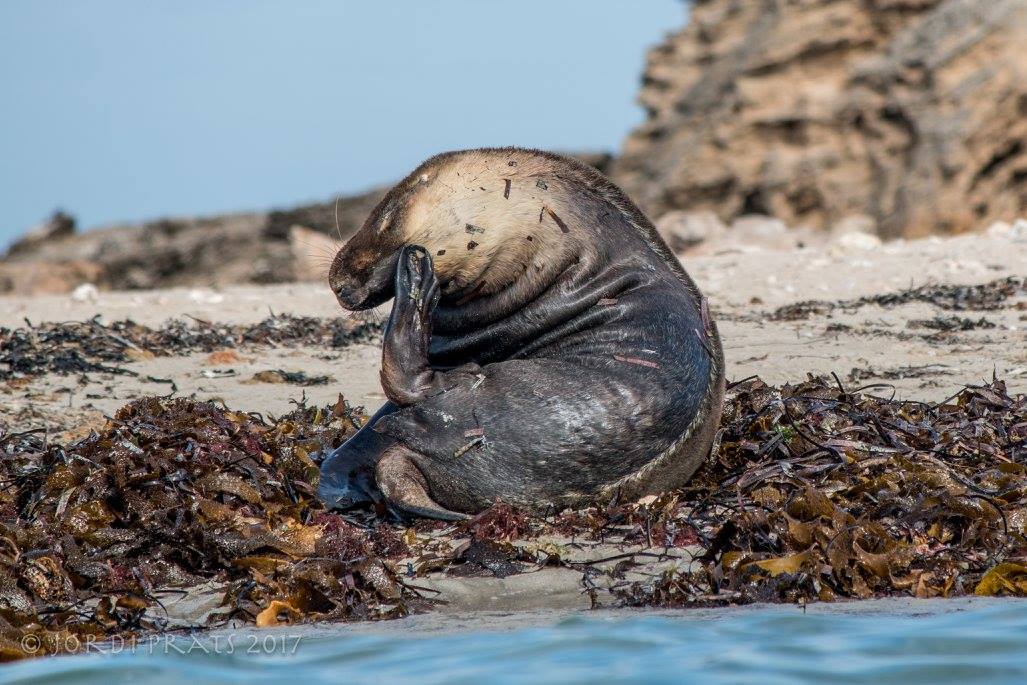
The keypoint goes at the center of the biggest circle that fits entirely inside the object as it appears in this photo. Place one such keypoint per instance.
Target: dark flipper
(406, 375)
(347, 474)
(370, 466)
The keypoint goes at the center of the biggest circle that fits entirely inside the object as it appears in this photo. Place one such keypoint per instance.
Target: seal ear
(405, 488)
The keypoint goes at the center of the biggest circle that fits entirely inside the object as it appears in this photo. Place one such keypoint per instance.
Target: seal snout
(349, 293)
(357, 288)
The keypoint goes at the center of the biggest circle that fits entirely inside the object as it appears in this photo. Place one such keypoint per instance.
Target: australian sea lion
(545, 347)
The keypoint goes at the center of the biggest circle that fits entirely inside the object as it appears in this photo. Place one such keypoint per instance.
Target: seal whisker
(317, 250)
(338, 229)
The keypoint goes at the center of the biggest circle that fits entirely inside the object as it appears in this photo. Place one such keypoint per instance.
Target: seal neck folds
(538, 257)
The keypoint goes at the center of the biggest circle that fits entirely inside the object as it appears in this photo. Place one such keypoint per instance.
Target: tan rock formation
(913, 112)
(209, 251)
(34, 278)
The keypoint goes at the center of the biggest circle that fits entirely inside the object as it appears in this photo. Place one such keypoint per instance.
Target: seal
(545, 347)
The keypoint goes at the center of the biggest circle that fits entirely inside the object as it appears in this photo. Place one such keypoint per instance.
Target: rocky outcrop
(57, 227)
(258, 247)
(911, 113)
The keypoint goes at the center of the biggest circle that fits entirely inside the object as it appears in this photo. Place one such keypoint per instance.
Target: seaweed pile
(171, 494)
(945, 324)
(92, 346)
(984, 296)
(819, 493)
(815, 493)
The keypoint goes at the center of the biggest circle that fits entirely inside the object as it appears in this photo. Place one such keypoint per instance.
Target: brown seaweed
(171, 494)
(816, 492)
(984, 296)
(91, 346)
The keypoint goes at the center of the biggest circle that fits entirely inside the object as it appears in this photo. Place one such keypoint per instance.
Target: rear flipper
(347, 474)
(371, 467)
(405, 487)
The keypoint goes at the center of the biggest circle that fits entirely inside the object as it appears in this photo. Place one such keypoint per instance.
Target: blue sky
(128, 110)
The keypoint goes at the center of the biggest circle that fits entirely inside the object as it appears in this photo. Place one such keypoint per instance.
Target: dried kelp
(171, 494)
(92, 346)
(985, 296)
(291, 377)
(816, 492)
(947, 324)
(899, 372)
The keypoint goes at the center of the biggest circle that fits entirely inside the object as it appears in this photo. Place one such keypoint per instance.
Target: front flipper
(406, 376)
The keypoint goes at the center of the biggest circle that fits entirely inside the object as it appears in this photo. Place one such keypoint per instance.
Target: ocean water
(959, 641)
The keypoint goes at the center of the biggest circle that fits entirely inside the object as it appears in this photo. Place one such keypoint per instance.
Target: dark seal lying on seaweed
(545, 347)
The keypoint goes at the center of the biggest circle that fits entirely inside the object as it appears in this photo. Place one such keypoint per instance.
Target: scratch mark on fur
(463, 450)
(636, 360)
(705, 345)
(558, 220)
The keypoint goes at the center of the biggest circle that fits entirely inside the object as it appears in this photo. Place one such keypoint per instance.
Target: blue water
(970, 642)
